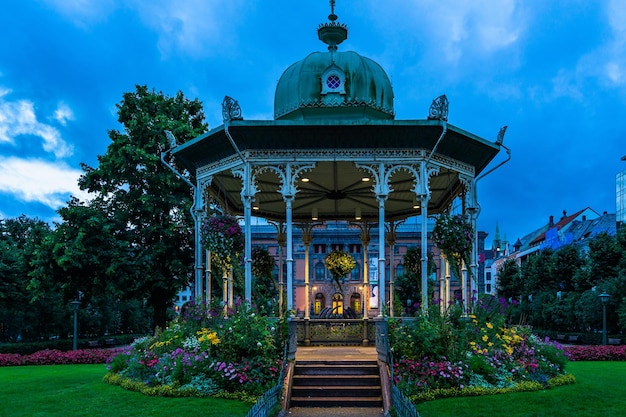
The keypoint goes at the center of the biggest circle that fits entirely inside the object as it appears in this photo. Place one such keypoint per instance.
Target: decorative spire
(332, 33)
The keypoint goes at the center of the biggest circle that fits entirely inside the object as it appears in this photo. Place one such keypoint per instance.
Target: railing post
(293, 339)
(366, 341)
(382, 339)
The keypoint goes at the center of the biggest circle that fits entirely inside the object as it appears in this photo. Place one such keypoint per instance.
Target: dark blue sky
(554, 72)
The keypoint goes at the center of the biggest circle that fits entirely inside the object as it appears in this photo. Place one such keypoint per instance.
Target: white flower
(259, 344)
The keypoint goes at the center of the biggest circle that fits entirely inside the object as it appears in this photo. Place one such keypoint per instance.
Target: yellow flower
(485, 338)
(489, 325)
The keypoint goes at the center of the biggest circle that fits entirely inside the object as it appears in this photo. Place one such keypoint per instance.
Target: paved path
(346, 353)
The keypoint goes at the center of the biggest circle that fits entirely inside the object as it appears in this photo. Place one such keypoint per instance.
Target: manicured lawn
(78, 390)
(600, 390)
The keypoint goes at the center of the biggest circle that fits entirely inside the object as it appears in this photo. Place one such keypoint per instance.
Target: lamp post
(604, 297)
(75, 304)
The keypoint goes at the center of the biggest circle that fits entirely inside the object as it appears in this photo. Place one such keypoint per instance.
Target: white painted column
(289, 260)
(381, 254)
(424, 242)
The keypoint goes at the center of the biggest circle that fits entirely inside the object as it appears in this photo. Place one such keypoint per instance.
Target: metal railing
(264, 405)
(400, 403)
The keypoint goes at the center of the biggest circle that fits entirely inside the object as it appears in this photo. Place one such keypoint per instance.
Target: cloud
(19, 118)
(458, 28)
(195, 27)
(63, 113)
(36, 180)
(83, 13)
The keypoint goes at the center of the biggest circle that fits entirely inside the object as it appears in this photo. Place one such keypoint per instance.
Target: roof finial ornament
(332, 16)
(332, 33)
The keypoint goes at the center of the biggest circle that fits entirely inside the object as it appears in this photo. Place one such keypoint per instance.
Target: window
(355, 302)
(320, 271)
(333, 81)
(336, 246)
(399, 270)
(355, 275)
(319, 248)
(320, 303)
(355, 248)
(488, 277)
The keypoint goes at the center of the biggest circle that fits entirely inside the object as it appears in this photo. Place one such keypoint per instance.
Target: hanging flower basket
(223, 237)
(453, 235)
(339, 263)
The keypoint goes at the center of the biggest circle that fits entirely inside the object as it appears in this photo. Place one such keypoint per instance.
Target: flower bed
(57, 357)
(596, 353)
(452, 354)
(207, 355)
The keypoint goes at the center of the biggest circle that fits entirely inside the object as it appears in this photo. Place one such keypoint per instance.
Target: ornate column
(424, 198)
(198, 211)
(307, 237)
(391, 241)
(365, 241)
(382, 198)
(248, 192)
(289, 173)
(289, 260)
(281, 238)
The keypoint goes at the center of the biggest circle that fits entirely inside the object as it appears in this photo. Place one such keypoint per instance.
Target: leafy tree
(144, 201)
(564, 266)
(536, 272)
(509, 280)
(21, 316)
(604, 257)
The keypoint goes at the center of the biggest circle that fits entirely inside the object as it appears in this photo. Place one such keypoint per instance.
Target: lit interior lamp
(305, 179)
(314, 214)
(416, 205)
(365, 179)
(357, 213)
(255, 206)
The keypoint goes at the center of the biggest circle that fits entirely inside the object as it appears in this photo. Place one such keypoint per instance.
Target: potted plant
(223, 237)
(339, 263)
(453, 235)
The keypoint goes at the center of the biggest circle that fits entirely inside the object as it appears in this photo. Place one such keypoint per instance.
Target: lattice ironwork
(439, 109)
(231, 109)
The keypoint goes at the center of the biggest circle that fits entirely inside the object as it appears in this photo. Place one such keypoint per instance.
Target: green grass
(78, 391)
(600, 390)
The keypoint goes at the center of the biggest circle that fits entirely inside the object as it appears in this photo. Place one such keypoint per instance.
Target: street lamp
(604, 297)
(75, 304)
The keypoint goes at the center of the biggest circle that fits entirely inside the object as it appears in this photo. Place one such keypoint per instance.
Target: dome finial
(332, 33)
(332, 16)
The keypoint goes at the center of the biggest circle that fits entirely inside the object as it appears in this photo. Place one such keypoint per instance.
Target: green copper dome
(334, 85)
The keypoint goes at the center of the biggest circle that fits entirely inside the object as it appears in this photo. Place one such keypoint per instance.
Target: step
(335, 380)
(334, 391)
(363, 402)
(329, 383)
(335, 369)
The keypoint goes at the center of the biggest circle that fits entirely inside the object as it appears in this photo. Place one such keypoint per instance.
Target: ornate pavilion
(334, 151)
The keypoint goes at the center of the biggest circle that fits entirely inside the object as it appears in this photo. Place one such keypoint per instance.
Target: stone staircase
(336, 383)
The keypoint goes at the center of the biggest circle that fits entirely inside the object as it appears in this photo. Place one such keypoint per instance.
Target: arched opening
(337, 304)
(355, 302)
(320, 303)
